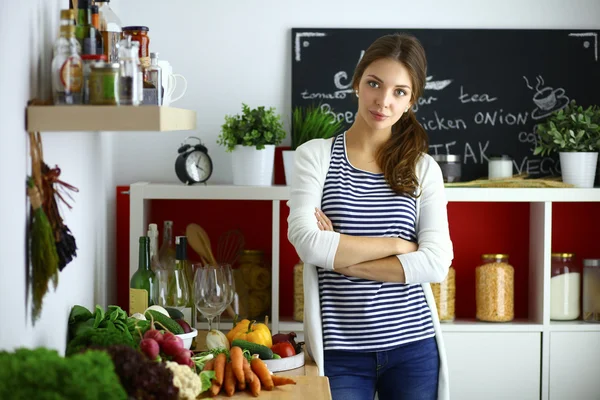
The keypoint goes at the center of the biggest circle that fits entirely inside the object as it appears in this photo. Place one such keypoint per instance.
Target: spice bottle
(444, 294)
(130, 73)
(153, 76)
(110, 28)
(565, 282)
(495, 289)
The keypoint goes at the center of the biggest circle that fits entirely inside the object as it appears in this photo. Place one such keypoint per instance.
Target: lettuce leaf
(205, 380)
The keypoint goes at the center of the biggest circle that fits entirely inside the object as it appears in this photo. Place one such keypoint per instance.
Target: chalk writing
(475, 98)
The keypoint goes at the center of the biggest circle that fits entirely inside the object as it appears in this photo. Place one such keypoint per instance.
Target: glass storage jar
(565, 282)
(253, 283)
(591, 290)
(299, 291)
(495, 289)
(444, 294)
(450, 165)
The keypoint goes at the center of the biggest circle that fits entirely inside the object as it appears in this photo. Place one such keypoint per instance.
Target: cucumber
(263, 352)
(164, 322)
(174, 313)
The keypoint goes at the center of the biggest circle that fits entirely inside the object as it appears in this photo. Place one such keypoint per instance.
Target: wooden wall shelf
(108, 118)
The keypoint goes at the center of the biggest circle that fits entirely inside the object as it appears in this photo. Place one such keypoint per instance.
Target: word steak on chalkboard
(486, 89)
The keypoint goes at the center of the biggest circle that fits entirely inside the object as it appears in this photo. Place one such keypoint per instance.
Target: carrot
(247, 371)
(241, 386)
(282, 380)
(209, 365)
(229, 381)
(214, 389)
(260, 369)
(220, 362)
(254, 385)
(237, 362)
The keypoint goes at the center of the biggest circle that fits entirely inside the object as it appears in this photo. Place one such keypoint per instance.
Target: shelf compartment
(574, 326)
(108, 118)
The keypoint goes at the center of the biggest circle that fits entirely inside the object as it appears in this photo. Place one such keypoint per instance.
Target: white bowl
(188, 338)
(285, 364)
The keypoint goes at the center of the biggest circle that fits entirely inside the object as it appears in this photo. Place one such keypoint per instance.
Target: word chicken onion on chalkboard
(486, 89)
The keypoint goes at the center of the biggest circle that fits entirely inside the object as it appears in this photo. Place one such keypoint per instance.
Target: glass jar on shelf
(565, 282)
(591, 290)
(253, 283)
(495, 289)
(299, 291)
(444, 294)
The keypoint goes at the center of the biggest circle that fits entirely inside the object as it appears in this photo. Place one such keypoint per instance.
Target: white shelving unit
(528, 338)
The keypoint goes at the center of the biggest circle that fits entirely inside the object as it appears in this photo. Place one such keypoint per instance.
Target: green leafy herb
(570, 129)
(313, 122)
(254, 127)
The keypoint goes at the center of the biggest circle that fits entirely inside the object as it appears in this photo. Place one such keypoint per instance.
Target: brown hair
(399, 155)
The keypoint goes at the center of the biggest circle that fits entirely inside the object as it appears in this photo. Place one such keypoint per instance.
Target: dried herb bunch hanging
(51, 244)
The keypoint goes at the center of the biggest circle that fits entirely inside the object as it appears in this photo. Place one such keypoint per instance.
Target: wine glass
(210, 292)
(172, 289)
(229, 279)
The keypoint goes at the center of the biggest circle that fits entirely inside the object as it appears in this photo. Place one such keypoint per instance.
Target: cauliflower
(186, 380)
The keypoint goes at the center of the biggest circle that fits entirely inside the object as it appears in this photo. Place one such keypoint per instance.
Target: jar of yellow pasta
(253, 277)
(444, 294)
(495, 289)
(299, 292)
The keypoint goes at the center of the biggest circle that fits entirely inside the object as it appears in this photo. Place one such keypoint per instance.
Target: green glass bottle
(141, 287)
(85, 32)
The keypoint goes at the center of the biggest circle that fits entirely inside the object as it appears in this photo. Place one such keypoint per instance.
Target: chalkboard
(486, 88)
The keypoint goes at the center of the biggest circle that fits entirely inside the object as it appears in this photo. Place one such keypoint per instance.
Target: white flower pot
(288, 165)
(578, 168)
(253, 167)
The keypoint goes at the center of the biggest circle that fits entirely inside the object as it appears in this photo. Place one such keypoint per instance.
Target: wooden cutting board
(306, 387)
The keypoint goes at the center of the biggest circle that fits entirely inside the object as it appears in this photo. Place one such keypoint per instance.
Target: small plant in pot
(252, 136)
(573, 132)
(312, 122)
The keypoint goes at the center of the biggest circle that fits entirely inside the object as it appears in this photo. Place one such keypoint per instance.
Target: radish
(150, 348)
(154, 334)
(172, 346)
(183, 357)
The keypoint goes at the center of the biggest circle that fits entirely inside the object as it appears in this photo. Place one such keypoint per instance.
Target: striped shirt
(360, 314)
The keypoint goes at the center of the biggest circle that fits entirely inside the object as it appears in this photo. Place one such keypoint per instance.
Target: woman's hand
(323, 222)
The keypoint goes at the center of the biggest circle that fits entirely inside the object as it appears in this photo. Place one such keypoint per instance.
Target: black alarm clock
(193, 164)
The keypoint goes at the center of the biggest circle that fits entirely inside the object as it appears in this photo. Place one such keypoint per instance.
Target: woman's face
(384, 93)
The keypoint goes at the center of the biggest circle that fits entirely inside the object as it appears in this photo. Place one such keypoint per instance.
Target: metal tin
(104, 84)
(450, 165)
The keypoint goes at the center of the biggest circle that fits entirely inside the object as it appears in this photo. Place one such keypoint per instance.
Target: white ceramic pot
(253, 167)
(288, 165)
(578, 168)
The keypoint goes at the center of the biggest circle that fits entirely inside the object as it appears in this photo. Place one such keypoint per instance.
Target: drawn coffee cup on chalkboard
(547, 99)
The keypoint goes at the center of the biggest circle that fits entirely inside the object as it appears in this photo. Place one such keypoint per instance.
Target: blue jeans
(408, 372)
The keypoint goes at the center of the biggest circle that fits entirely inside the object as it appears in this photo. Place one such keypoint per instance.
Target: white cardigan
(317, 248)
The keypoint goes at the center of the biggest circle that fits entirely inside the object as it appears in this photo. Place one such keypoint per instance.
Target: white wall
(234, 51)
(27, 31)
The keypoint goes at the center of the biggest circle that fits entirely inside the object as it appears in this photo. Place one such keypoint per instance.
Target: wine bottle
(166, 254)
(153, 236)
(182, 265)
(141, 287)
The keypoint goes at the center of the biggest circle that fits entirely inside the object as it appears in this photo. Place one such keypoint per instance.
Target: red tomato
(284, 349)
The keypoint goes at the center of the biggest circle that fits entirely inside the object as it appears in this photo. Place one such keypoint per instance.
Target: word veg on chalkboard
(486, 89)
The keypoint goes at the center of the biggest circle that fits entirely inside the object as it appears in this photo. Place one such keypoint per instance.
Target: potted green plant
(312, 122)
(252, 136)
(573, 132)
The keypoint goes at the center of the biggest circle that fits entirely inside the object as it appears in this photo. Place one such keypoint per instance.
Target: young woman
(368, 218)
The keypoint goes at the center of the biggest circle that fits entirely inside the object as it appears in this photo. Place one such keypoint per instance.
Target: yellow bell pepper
(238, 326)
(252, 332)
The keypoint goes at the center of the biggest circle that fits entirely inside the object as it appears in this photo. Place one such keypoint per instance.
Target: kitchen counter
(306, 387)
